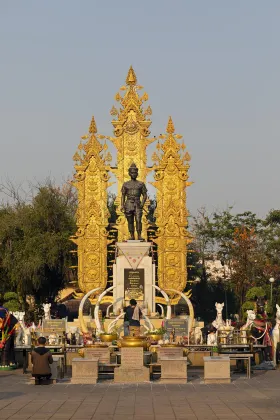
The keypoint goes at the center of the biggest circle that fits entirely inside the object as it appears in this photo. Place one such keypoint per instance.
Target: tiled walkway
(258, 398)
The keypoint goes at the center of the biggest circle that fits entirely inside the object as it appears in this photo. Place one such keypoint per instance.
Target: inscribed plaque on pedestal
(134, 284)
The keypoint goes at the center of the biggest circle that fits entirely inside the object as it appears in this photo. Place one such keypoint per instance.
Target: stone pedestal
(133, 258)
(84, 371)
(132, 369)
(216, 370)
(174, 370)
(57, 365)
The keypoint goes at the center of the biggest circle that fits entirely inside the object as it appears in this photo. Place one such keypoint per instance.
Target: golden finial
(92, 127)
(170, 129)
(131, 78)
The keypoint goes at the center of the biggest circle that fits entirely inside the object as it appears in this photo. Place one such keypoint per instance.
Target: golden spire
(131, 78)
(170, 126)
(92, 127)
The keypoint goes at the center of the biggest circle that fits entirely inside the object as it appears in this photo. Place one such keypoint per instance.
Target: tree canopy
(35, 248)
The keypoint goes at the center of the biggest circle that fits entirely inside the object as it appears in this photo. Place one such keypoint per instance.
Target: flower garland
(256, 326)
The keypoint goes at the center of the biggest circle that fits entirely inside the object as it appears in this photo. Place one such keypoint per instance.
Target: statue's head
(251, 315)
(133, 171)
(219, 307)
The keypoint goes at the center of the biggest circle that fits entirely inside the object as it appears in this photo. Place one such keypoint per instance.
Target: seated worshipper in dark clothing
(41, 359)
(133, 314)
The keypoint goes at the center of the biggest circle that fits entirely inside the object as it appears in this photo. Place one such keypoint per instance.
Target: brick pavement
(258, 398)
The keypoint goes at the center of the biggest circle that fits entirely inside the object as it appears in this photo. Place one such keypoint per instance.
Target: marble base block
(216, 370)
(132, 369)
(174, 370)
(130, 375)
(84, 371)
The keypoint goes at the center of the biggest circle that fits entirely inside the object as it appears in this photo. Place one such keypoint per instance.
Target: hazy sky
(214, 65)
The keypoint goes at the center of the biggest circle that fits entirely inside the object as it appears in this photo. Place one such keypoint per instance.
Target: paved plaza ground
(257, 398)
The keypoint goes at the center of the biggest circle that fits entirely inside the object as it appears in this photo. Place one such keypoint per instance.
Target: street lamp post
(271, 280)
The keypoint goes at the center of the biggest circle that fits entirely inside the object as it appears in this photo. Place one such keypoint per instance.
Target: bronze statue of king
(131, 203)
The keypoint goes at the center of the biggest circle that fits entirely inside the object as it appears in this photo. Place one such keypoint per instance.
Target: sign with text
(179, 325)
(134, 284)
(132, 357)
(170, 352)
(103, 354)
(54, 326)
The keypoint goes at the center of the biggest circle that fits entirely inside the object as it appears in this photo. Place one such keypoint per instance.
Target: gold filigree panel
(171, 214)
(91, 181)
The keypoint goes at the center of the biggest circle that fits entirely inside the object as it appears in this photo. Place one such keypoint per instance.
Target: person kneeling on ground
(41, 359)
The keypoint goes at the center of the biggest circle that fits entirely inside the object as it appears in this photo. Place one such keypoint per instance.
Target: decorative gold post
(91, 181)
(171, 175)
(131, 129)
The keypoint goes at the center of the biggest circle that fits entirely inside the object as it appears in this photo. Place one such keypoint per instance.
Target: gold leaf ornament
(145, 97)
(108, 157)
(187, 156)
(114, 111)
(158, 146)
(155, 157)
(76, 157)
(149, 110)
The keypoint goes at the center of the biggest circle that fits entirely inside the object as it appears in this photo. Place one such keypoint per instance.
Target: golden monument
(93, 167)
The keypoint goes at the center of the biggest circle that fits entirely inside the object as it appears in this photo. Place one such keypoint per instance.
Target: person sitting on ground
(41, 359)
(133, 314)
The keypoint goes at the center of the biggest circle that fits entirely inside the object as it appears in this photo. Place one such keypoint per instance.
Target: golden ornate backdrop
(93, 165)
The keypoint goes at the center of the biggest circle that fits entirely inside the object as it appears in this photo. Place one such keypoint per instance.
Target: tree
(223, 236)
(11, 301)
(246, 261)
(271, 239)
(203, 244)
(35, 247)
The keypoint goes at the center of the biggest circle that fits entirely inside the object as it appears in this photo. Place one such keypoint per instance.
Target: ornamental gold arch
(131, 123)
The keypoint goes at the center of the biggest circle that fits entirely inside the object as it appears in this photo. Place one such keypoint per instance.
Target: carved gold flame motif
(171, 175)
(131, 130)
(91, 181)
